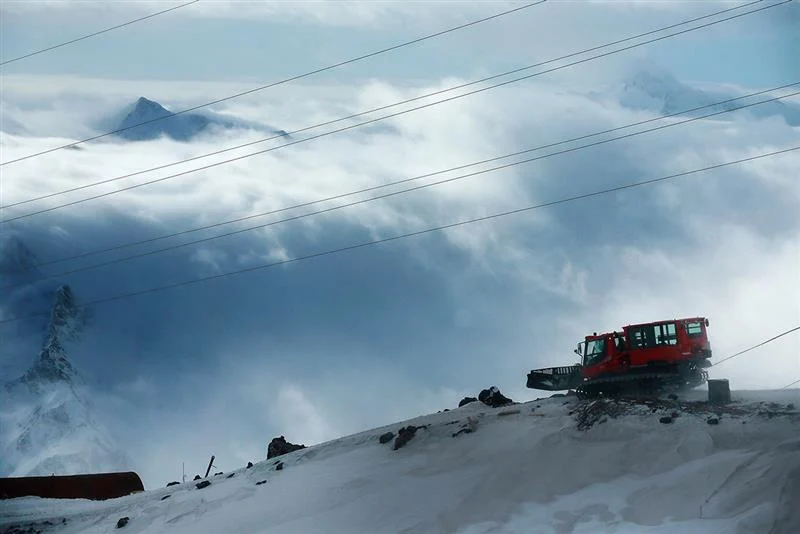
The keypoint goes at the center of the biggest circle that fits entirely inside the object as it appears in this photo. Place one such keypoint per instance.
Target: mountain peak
(66, 317)
(66, 323)
(144, 104)
(144, 110)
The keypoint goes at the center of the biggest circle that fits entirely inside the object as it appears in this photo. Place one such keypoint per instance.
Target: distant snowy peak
(52, 366)
(647, 87)
(67, 319)
(147, 109)
(144, 121)
(51, 431)
(143, 111)
(66, 323)
(46, 424)
(147, 119)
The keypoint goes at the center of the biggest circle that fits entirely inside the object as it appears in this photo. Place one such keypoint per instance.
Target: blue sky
(755, 51)
(328, 346)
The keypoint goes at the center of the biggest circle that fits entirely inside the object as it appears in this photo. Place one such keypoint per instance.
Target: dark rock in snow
(261, 482)
(591, 413)
(197, 477)
(404, 435)
(468, 427)
(279, 446)
(165, 497)
(492, 397)
(218, 474)
(665, 420)
(467, 400)
(712, 421)
(173, 483)
(386, 437)
(203, 484)
(249, 465)
(279, 466)
(231, 475)
(123, 521)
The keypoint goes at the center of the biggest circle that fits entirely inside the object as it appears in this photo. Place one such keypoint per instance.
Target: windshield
(595, 350)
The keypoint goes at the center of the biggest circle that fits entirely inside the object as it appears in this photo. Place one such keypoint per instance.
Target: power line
(439, 182)
(183, 173)
(97, 33)
(428, 175)
(759, 345)
(410, 234)
(787, 386)
(287, 80)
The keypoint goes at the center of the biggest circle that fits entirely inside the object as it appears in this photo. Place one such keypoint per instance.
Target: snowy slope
(555, 465)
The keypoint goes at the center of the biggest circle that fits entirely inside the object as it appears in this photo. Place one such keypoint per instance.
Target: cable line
(409, 234)
(759, 345)
(287, 80)
(787, 386)
(97, 33)
(183, 173)
(386, 195)
(428, 175)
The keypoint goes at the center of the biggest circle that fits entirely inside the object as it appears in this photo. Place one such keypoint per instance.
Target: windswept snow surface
(527, 468)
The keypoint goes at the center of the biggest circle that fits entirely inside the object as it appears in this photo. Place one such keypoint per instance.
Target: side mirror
(706, 323)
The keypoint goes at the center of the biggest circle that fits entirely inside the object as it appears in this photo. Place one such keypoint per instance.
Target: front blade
(555, 378)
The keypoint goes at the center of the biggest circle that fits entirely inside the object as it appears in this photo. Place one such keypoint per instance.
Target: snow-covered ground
(555, 465)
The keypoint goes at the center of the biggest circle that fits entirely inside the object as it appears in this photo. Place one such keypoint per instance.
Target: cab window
(645, 337)
(694, 329)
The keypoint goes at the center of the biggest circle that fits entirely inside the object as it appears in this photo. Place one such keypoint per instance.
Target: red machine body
(662, 343)
(645, 356)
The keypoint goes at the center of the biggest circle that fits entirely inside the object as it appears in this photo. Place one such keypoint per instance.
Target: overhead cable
(796, 328)
(283, 81)
(49, 48)
(402, 191)
(409, 234)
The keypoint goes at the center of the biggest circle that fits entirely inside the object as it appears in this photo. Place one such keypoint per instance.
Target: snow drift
(556, 465)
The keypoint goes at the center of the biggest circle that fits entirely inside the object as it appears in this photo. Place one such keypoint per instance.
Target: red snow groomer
(643, 358)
